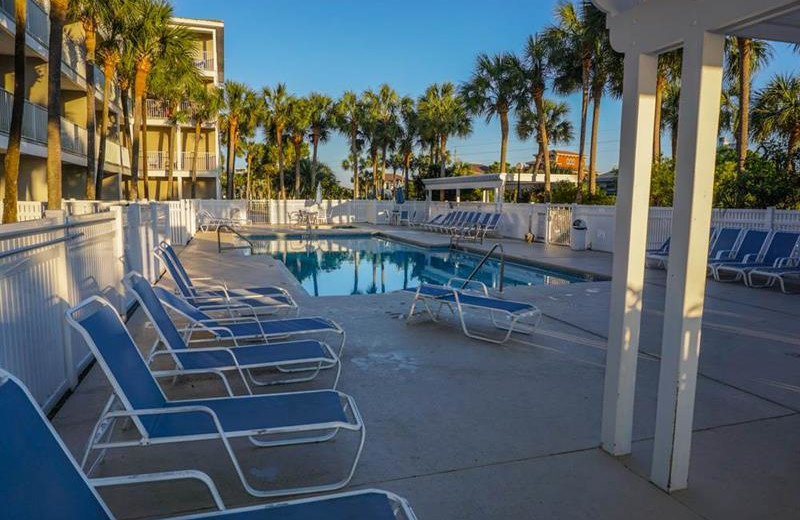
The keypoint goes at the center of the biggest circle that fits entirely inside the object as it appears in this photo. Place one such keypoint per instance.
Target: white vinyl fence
(52, 263)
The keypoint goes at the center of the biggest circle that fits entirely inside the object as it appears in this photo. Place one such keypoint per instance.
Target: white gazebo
(642, 29)
(490, 182)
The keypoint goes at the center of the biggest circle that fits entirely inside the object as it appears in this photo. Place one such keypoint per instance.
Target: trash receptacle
(577, 238)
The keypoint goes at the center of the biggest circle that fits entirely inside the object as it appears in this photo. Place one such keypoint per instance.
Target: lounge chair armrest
(750, 258)
(726, 253)
(465, 284)
(169, 476)
(196, 371)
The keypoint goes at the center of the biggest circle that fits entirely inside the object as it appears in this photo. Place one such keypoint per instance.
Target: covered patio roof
(488, 181)
(641, 30)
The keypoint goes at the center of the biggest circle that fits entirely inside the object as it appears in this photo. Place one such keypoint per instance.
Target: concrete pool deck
(469, 430)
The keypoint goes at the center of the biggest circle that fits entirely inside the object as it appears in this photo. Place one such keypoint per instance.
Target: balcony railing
(204, 61)
(38, 23)
(158, 160)
(158, 110)
(206, 162)
(34, 125)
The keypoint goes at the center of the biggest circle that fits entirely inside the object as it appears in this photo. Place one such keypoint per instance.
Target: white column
(630, 241)
(701, 84)
(458, 195)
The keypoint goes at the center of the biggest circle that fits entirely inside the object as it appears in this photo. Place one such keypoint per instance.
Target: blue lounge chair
(457, 222)
(506, 315)
(242, 360)
(750, 245)
(470, 221)
(262, 419)
(268, 299)
(242, 328)
(780, 247)
(447, 221)
(40, 478)
(785, 276)
(435, 220)
(490, 227)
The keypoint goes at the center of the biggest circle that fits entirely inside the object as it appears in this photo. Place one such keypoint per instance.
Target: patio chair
(209, 222)
(469, 221)
(41, 479)
(769, 276)
(656, 258)
(243, 328)
(457, 222)
(270, 299)
(489, 228)
(423, 223)
(445, 222)
(242, 360)
(506, 315)
(779, 249)
(750, 245)
(285, 419)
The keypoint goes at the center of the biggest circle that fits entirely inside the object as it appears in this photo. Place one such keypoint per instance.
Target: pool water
(329, 266)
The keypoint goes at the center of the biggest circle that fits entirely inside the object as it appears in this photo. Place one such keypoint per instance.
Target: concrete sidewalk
(468, 430)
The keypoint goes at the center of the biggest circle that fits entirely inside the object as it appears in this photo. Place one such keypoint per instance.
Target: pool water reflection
(328, 266)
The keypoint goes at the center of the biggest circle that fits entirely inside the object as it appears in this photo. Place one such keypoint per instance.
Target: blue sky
(330, 46)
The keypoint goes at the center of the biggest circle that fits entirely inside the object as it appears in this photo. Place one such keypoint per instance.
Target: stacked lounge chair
(779, 247)
(41, 479)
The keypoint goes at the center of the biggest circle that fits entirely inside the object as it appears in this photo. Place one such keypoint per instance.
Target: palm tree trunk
(170, 160)
(383, 173)
(544, 139)
(584, 116)
(375, 180)
(249, 175)
(15, 132)
(279, 139)
(139, 85)
(674, 142)
(231, 159)
(298, 149)
(598, 97)
(127, 140)
(744, 101)
(145, 165)
(406, 168)
(91, 122)
(108, 72)
(504, 139)
(660, 84)
(197, 130)
(315, 145)
(794, 144)
(58, 16)
(353, 148)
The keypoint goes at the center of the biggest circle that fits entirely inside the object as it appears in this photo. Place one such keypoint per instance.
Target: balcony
(38, 24)
(34, 125)
(204, 61)
(158, 160)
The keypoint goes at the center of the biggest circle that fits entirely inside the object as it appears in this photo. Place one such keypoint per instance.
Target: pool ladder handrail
(220, 249)
(495, 246)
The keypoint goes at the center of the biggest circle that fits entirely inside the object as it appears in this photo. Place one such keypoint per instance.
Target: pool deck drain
(467, 430)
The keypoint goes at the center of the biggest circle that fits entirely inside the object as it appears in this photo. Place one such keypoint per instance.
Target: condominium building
(209, 58)
(74, 137)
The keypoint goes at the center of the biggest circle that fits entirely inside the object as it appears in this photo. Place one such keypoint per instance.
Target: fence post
(136, 233)
(153, 241)
(769, 217)
(62, 292)
(119, 255)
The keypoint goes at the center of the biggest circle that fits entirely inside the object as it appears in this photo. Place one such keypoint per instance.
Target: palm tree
(408, 136)
(669, 115)
(497, 87)
(11, 161)
(320, 125)
(109, 52)
(446, 113)
(126, 71)
(170, 86)
(578, 30)
(745, 56)
(370, 128)
(58, 17)
(669, 73)
(557, 127)
(235, 100)
(381, 126)
(348, 113)
(606, 77)
(204, 106)
(298, 124)
(92, 14)
(277, 102)
(776, 112)
(152, 38)
(538, 70)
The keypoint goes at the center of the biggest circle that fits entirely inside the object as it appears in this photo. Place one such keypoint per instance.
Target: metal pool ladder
(483, 261)
(229, 228)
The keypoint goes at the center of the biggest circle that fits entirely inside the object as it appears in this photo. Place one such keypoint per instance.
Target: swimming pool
(342, 265)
